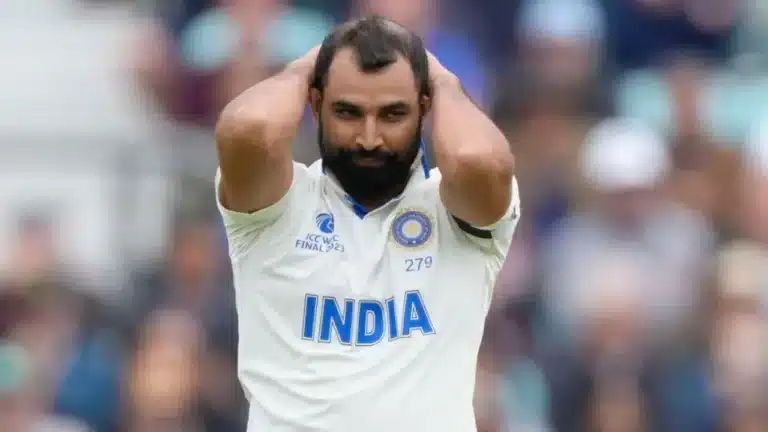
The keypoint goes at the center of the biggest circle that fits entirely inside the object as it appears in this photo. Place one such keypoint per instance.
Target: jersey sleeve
(497, 237)
(244, 230)
(493, 241)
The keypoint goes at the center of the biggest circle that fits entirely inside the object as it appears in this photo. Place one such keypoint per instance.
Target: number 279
(416, 264)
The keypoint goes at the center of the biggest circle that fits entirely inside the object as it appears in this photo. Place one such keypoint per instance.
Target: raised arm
(254, 134)
(472, 154)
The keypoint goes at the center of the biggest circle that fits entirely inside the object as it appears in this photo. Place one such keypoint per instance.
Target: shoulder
(273, 223)
(305, 180)
(493, 238)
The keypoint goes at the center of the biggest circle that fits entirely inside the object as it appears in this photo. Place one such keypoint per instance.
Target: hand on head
(306, 63)
(437, 72)
(311, 56)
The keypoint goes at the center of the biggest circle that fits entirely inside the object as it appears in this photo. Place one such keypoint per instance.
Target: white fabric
(312, 246)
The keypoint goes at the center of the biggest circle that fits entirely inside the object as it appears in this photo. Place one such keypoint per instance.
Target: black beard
(369, 184)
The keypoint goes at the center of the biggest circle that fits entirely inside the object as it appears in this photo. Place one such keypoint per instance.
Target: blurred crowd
(635, 294)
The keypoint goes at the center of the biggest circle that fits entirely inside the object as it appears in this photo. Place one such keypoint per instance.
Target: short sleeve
(245, 229)
(497, 236)
(492, 240)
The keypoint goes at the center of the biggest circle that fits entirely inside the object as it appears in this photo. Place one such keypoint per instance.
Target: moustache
(368, 157)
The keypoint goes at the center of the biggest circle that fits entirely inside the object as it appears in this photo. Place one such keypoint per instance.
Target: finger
(312, 54)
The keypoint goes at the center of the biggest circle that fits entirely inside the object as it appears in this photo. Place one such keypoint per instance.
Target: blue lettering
(392, 318)
(415, 316)
(320, 243)
(328, 240)
(333, 318)
(310, 310)
(371, 318)
(370, 323)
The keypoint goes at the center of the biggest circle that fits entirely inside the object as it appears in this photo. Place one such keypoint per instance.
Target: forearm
(467, 145)
(472, 154)
(253, 138)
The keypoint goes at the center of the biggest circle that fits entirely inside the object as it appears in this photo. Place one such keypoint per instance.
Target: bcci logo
(412, 228)
(325, 223)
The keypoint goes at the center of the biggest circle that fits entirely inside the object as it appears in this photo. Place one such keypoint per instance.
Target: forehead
(394, 83)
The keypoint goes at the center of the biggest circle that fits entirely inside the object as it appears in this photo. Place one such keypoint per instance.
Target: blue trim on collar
(424, 161)
(358, 208)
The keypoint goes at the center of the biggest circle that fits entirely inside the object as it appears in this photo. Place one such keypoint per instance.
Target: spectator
(561, 51)
(626, 163)
(643, 33)
(20, 406)
(550, 101)
(164, 381)
(204, 52)
(754, 184)
(194, 284)
(739, 330)
(77, 357)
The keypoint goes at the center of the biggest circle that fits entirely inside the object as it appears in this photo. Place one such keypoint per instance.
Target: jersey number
(416, 264)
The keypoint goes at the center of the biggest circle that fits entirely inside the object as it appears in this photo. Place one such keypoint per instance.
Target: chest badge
(412, 228)
(325, 223)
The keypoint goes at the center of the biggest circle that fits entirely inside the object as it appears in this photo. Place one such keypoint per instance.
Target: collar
(419, 172)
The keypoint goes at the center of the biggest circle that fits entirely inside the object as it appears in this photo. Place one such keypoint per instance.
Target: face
(194, 255)
(165, 368)
(561, 65)
(370, 126)
(755, 207)
(35, 256)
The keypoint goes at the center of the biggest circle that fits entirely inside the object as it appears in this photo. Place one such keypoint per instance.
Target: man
(363, 281)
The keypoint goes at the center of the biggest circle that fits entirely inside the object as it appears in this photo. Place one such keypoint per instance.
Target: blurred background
(635, 292)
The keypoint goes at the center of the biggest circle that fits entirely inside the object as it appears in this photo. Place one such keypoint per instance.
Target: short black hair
(377, 41)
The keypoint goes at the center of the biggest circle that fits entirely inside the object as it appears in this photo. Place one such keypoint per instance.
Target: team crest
(412, 228)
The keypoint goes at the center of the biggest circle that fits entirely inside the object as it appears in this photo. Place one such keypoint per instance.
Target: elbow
(238, 125)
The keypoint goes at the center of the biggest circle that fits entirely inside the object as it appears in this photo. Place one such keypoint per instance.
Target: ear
(426, 105)
(315, 100)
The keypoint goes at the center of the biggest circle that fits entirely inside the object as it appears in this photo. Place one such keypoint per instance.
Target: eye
(347, 113)
(393, 116)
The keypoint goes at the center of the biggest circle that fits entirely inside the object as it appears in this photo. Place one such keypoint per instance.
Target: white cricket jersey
(354, 321)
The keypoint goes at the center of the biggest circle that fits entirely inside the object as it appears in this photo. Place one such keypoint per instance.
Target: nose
(369, 138)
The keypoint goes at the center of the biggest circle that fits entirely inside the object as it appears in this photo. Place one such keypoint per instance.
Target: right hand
(306, 63)
(311, 55)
